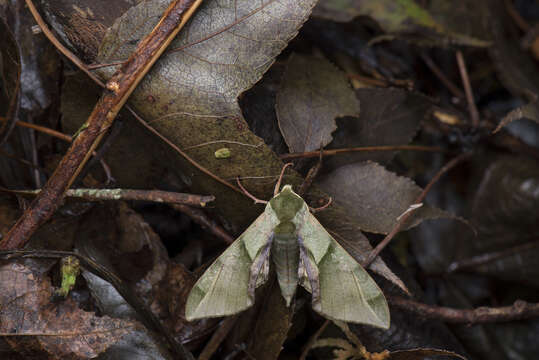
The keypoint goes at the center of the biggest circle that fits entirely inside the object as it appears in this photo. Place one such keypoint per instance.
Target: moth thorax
(285, 227)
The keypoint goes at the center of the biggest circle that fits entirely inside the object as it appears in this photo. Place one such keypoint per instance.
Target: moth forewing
(347, 292)
(223, 289)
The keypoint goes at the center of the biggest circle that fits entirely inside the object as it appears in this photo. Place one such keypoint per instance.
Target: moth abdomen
(285, 255)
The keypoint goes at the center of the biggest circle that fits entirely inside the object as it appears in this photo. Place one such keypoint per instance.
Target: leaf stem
(311, 154)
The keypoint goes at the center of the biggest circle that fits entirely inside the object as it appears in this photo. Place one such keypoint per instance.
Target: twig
(311, 154)
(146, 315)
(200, 218)
(42, 129)
(483, 259)
(121, 85)
(127, 194)
(400, 223)
(518, 311)
(312, 340)
(472, 109)
(519, 20)
(444, 79)
(217, 338)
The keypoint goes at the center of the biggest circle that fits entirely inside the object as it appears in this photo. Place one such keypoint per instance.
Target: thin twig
(444, 79)
(217, 338)
(312, 340)
(519, 20)
(120, 86)
(400, 223)
(311, 154)
(200, 218)
(128, 194)
(518, 311)
(483, 259)
(472, 109)
(42, 129)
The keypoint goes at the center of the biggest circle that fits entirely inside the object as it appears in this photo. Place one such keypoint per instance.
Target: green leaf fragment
(223, 153)
(70, 269)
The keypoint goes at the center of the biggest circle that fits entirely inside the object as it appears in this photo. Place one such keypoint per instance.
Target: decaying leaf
(313, 93)
(404, 17)
(376, 196)
(33, 324)
(388, 117)
(504, 212)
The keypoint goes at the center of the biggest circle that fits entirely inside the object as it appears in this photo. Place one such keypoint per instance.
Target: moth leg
(308, 267)
(259, 271)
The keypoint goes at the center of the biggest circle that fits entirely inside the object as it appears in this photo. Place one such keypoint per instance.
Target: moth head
(286, 203)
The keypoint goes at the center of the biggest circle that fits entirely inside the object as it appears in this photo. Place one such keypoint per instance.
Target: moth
(302, 252)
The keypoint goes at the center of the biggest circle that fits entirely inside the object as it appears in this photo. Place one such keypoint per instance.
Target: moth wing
(347, 292)
(223, 288)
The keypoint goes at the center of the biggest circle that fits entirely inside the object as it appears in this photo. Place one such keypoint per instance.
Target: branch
(120, 86)
(518, 311)
(201, 219)
(158, 196)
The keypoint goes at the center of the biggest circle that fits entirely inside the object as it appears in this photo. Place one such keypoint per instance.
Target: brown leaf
(313, 93)
(529, 111)
(377, 197)
(400, 18)
(59, 330)
(505, 214)
(388, 117)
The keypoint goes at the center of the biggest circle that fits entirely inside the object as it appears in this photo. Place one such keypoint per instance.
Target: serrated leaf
(388, 117)
(377, 197)
(528, 111)
(190, 95)
(313, 93)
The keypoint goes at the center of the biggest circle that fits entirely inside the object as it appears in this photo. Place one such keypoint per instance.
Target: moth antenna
(248, 194)
(311, 175)
(278, 185)
(315, 210)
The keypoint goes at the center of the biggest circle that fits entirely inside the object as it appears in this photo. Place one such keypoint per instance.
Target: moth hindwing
(302, 252)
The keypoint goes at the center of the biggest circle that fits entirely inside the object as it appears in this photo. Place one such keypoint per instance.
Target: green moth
(302, 252)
